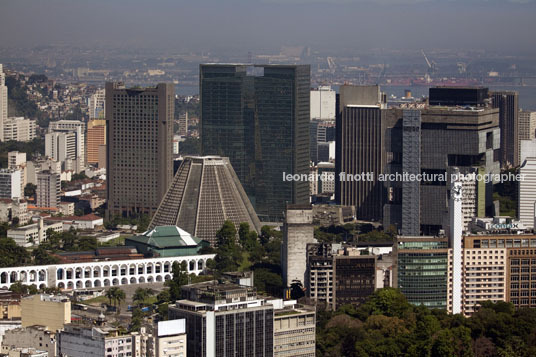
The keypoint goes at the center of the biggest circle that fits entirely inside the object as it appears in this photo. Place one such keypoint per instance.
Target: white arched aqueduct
(100, 274)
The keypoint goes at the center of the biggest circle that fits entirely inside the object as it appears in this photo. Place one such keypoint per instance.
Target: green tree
(4, 227)
(228, 254)
(137, 320)
(250, 243)
(69, 240)
(20, 288)
(85, 243)
(116, 295)
(163, 296)
(79, 176)
(163, 311)
(43, 257)
(387, 301)
(12, 254)
(268, 281)
(180, 278)
(273, 251)
(268, 233)
(29, 190)
(53, 242)
(243, 234)
(141, 294)
(120, 296)
(110, 295)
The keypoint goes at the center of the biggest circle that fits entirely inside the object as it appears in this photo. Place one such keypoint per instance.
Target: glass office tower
(423, 270)
(258, 116)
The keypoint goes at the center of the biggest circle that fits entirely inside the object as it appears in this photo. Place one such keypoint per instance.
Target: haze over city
(252, 25)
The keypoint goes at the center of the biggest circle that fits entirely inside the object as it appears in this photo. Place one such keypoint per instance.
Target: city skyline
(267, 178)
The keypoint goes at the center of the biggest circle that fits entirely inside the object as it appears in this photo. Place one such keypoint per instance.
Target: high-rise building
(48, 189)
(170, 338)
(313, 140)
(508, 104)
(225, 320)
(17, 161)
(527, 129)
(204, 193)
(326, 175)
(96, 136)
(183, 124)
(321, 135)
(323, 103)
(360, 149)
(527, 193)
(60, 146)
(326, 151)
(338, 275)
(19, 129)
(448, 137)
(496, 267)
(294, 330)
(97, 105)
(320, 274)
(3, 102)
(258, 116)
(411, 163)
(422, 270)
(139, 134)
(483, 275)
(298, 231)
(10, 184)
(355, 277)
(78, 129)
(528, 149)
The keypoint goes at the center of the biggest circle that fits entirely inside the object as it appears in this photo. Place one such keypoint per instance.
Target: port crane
(331, 64)
(432, 66)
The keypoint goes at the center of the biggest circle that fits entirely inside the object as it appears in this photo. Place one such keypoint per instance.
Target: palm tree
(119, 297)
(115, 295)
(110, 295)
(140, 295)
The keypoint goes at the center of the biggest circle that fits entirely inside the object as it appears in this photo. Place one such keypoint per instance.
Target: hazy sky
(259, 25)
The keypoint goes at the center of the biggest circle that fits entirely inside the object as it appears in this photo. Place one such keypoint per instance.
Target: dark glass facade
(508, 104)
(355, 279)
(259, 118)
(451, 96)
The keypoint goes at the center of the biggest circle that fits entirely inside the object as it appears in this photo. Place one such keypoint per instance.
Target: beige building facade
(139, 134)
(46, 310)
(294, 331)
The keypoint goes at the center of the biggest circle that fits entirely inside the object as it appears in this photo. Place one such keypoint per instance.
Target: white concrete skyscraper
(455, 238)
(527, 192)
(3, 102)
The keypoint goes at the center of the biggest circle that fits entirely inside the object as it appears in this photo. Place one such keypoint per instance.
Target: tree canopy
(387, 325)
(12, 254)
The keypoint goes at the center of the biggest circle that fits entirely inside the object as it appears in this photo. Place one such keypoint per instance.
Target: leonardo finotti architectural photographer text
(404, 177)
